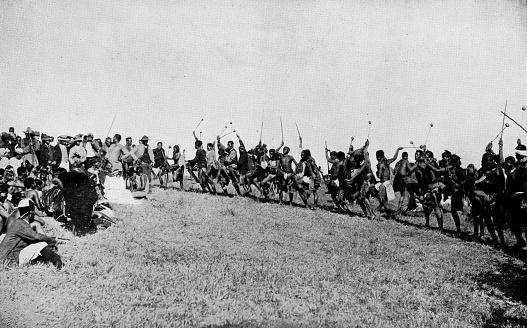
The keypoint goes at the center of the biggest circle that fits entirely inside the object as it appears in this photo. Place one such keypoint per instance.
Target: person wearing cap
(30, 147)
(21, 244)
(77, 154)
(116, 153)
(143, 155)
(47, 153)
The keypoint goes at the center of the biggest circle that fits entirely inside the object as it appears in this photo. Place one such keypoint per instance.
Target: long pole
(326, 152)
(107, 134)
(198, 125)
(513, 121)
(503, 121)
(299, 137)
(282, 128)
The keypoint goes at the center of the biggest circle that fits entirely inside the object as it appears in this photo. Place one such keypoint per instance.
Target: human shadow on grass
(510, 280)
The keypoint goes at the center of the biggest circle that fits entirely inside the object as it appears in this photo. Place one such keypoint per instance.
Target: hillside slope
(190, 259)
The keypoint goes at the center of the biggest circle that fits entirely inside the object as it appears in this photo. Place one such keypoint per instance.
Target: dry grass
(189, 259)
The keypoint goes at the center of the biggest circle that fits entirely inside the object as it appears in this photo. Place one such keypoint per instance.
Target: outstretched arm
(194, 134)
(435, 169)
(391, 160)
(280, 147)
(220, 146)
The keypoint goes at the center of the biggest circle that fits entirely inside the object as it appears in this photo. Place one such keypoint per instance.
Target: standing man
(116, 152)
(286, 168)
(30, 146)
(62, 152)
(77, 155)
(47, 154)
(127, 161)
(384, 173)
(143, 156)
(91, 152)
(160, 162)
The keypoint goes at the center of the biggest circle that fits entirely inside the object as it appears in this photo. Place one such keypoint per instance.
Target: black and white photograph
(263, 163)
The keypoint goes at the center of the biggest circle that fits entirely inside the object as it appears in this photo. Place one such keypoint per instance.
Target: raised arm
(220, 145)
(332, 161)
(391, 160)
(194, 134)
(280, 147)
(240, 141)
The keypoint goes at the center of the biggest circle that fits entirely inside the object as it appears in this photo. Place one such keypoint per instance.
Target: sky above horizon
(159, 67)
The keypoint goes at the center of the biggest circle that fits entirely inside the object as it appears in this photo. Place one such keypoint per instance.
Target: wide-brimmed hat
(45, 137)
(78, 137)
(63, 137)
(5, 135)
(144, 138)
(29, 130)
(16, 183)
(35, 134)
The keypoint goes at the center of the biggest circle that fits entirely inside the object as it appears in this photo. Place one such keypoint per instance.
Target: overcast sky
(69, 67)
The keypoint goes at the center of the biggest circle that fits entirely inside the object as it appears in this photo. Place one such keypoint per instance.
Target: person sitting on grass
(137, 183)
(31, 193)
(22, 244)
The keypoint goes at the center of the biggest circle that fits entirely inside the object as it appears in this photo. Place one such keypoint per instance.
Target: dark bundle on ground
(80, 197)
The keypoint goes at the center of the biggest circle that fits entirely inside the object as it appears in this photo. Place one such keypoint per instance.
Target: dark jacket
(243, 163)
(200, 159)
(46, 155)
(18, 236)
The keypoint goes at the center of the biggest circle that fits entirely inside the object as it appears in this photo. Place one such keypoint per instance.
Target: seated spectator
(22, 244)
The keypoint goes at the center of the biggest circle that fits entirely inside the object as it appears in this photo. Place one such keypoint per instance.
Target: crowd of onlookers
(31, 164)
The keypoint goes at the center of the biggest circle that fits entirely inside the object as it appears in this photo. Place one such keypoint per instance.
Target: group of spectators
(30, 166)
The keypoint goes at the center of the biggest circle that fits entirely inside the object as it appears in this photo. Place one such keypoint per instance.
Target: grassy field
(192, 259)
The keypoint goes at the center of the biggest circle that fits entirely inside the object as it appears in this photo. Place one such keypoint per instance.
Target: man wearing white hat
(77, 155)
(22, 244)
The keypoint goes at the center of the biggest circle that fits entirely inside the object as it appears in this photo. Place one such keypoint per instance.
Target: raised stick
(513, 121)
(501, 132)
(503, 121)
(197, 126)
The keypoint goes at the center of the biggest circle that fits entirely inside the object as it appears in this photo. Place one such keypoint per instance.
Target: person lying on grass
(22, 244)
